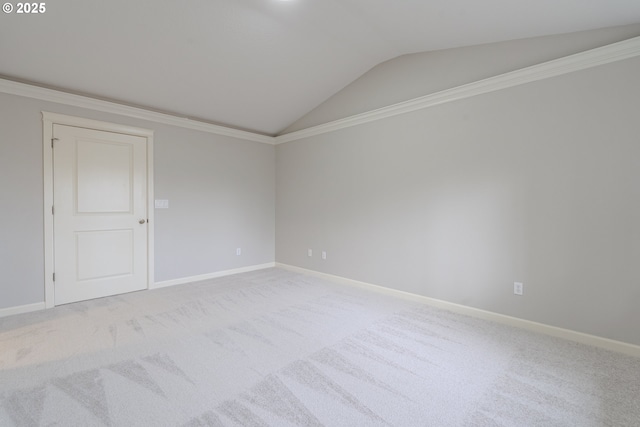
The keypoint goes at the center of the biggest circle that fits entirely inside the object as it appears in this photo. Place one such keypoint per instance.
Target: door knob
(142, 221)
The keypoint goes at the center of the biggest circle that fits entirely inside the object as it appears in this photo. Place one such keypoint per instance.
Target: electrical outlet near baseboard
(239, 251)
(324, 254)
(518, 288)
(309, 252)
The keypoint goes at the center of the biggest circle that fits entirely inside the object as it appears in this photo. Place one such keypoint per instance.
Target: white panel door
(100, 219)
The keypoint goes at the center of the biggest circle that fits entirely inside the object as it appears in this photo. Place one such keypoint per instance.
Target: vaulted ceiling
(259, 64)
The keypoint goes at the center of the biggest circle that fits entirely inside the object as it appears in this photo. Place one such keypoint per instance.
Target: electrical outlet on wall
(324, 255)
(309, 252)
(239, 251)
(518, 288)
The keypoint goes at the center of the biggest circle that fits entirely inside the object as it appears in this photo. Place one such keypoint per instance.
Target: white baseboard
(9, 311)
(608, 344)
(28, 308)
(183, 280)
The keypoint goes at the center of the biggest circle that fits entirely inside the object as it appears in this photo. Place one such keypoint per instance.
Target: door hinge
(54, 277)
(53, 139)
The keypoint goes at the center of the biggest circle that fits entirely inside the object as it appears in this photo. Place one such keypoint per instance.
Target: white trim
(81, 122)
(608, 344)
(48, 120)
(47, 170)
(51, 95)
(191, 279)
(151, 216)
(592, 58)
(10, 311)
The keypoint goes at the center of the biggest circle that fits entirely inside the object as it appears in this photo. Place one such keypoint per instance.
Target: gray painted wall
(419, 74)
(536, 183)
(221, 192)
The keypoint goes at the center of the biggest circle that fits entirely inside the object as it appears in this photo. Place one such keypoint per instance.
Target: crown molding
(51, 95)
(581, 61)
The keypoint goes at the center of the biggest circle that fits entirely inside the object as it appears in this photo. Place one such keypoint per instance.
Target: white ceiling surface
(259, 65)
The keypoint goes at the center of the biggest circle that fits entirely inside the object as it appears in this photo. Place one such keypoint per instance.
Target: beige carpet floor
(276, 348)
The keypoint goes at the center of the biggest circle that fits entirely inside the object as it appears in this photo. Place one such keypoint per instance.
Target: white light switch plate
(162, 204)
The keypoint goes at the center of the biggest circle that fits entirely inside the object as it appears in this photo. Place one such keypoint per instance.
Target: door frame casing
(50, 119)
